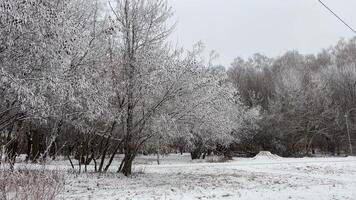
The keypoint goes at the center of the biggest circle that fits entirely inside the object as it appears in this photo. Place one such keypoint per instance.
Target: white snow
(243, 178)
(266, 155)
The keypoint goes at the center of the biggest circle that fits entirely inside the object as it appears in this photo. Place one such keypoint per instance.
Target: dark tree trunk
(112, 157)
(29, 146)
(127, 165)
(35, 149)
(121, 164)
(95, 165)
(53, 150)
(70, 160)
(129, 154)
(69, 153)
(80, 164)
(103, 155)
(181, 150)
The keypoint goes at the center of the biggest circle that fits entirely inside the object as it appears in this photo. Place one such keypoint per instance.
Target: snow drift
(266, 155)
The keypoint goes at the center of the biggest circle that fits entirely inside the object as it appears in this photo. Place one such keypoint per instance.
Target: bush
(30, 185)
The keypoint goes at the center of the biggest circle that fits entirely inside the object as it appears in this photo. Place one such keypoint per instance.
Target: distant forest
(307, 102)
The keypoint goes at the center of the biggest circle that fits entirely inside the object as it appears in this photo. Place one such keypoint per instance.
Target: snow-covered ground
(178, 177)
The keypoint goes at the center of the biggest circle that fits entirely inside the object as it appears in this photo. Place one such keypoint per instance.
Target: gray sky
(271, 27)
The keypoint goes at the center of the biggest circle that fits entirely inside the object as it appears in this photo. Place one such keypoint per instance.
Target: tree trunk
(53, 150)
(80, 166)
(121, 164)
(70, 160)
(127, 165)
(68, 156)
(158, 152)
(95, 165)
(158, 163)
(129, 150)
(35, 148)
(80, 158)
(29, 146)
(181, 149)
(103, 155)
(112, 157)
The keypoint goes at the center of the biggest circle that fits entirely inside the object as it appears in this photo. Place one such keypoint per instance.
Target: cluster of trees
(307, 101)
(89, 80)
(80, 78)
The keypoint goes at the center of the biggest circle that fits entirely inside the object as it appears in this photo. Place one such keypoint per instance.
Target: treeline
(308, 102)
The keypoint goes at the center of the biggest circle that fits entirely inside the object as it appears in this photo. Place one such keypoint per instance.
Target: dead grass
(30, 184)
(216, 159)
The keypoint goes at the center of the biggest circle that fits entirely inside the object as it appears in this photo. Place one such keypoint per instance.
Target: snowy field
(178, 177)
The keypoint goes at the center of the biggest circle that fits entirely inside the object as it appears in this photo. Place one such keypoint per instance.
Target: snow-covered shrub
(30, 185)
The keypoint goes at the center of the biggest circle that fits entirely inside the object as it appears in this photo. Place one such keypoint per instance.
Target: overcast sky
(271, 27)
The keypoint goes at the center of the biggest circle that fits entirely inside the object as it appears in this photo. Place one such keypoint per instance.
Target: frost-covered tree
(41, 43)
(142, 28)
(205, 112)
